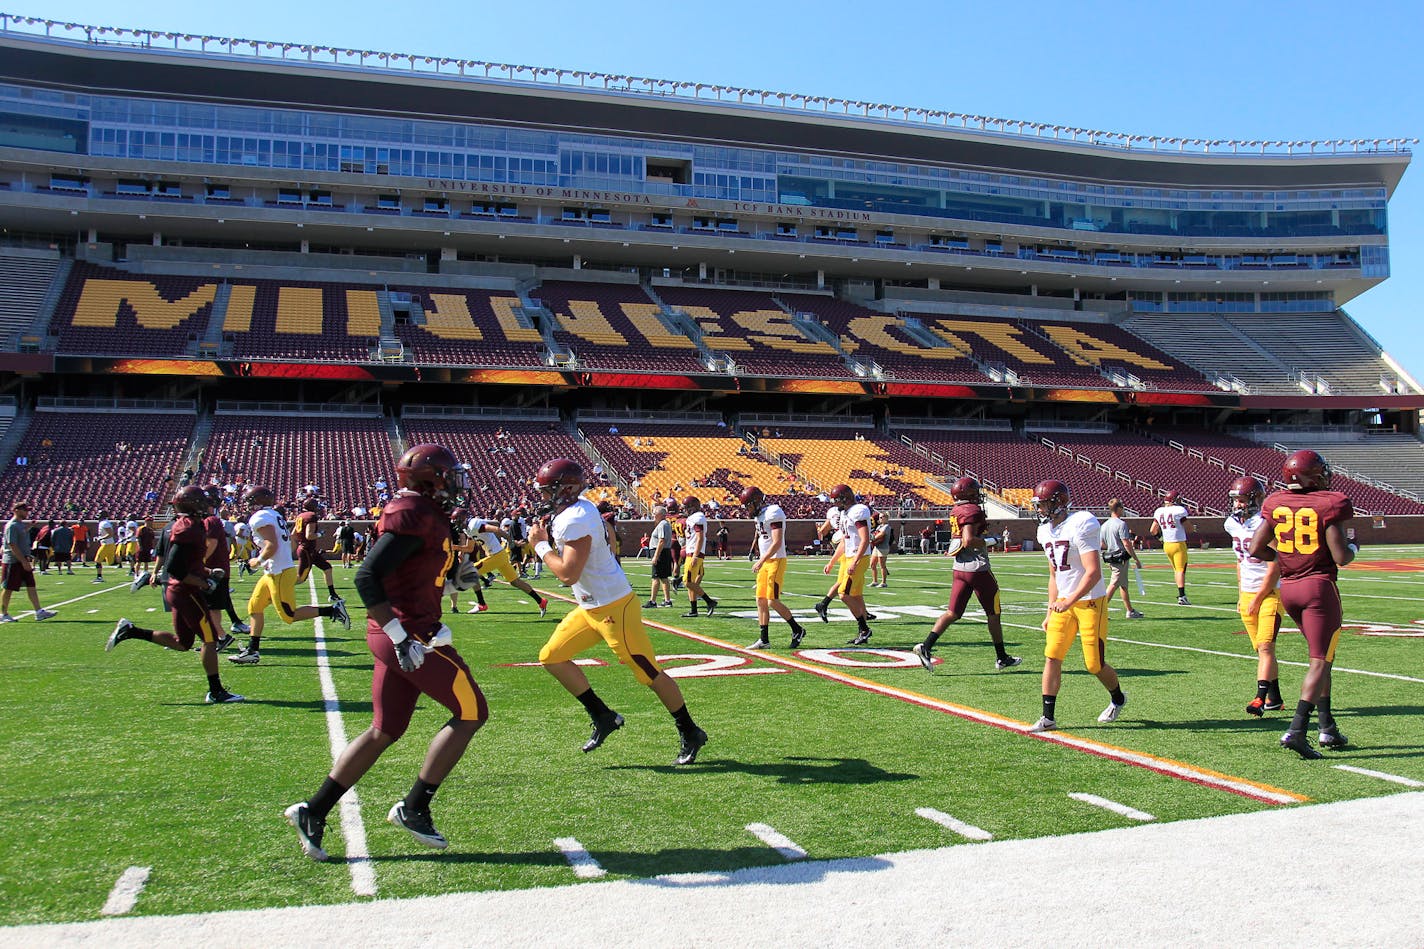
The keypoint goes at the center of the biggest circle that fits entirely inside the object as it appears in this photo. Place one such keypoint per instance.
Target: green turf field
(112, 761)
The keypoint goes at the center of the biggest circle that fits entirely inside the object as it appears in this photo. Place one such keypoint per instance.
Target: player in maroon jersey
(218, 558)
(972, 575)
(401, 584)
(1301, 530)
(307, 531)
(189, 583)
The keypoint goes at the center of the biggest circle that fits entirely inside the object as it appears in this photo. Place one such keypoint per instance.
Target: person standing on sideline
(1117, 551)
(1077, 600)
(400, 583)
(694, 554)
(18, 566)
(661, 539)
(770, 566)
(881, 536)
(855, 547)
(926, 538)
(972, 575)
(61, 543)
(1259, 601)
(1170, 522)
(1305, 523)
(607, 608)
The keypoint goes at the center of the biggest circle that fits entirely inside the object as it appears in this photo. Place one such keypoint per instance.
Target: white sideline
(585, 867)
(777, 841)
(1383, 776)
(967, 831)
(1171, 895)
(126, 891)
(358, 858)
(1131, 813)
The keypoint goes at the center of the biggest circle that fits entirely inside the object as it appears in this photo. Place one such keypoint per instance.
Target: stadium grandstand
(233, 262)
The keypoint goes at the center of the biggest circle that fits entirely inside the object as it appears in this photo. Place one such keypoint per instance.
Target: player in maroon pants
(401, 583)
(1301, 530)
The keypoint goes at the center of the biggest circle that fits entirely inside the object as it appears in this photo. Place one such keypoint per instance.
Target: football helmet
(1306, 470)
(432, 471)
(966, 491)
(753, 499)
(691, 504)
(1246, 496)
(192, 500)
(560, 481)
(312, 505)
(256, 498)
(842, 496)
(1051, 500)
(1171, 497)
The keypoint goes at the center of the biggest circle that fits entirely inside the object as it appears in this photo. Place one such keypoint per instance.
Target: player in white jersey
(1259, 602)
(581, 557)
(770, 566)
(851, 559)
(108, 552)
(1077, 599)
(694, 552)
(492, 536)
(829, 530)
(1170, 523)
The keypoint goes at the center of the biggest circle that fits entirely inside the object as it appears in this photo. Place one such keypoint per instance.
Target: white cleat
(1044, 724)
(1113, 710)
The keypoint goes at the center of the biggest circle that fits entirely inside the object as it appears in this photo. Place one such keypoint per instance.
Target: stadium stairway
(26, 277)
(18, 425)
(211, 340)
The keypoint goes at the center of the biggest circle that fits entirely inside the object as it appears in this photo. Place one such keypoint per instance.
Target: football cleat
(667, 603)
(1183, 601)
(798, 633)
(860, 639)
(1044, 724)
(650, 605)
(1297, 742)
(690, 613)
(140, 581)
(1256, 707)
(241, 629)
(479, 608)
(1110, 714)
(692, 743)
(338, 612)
(711, 607)
(223, 641)
(761, 644)
(1332, 738)
(1134, 614)
(223, 697)
(122, 630)
(43, 614)
(97, 580)
(7, 618)
(1007, 662)
(1275, 705)
(543, 606)
(603, 726)
(309, 830)
(821, 612)
(922, 653)
(419, 824)
(247, 657)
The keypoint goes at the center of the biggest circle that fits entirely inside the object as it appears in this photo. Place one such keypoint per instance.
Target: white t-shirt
(493, 543)
(1250, 572)
(1171, 519)
(695, 534)
(833, 519)
(106, 532)
(240, 530)
(282, 559)
(1065, 544)
(602, 581)
(770, 516)
(126, 532)
(854, 516)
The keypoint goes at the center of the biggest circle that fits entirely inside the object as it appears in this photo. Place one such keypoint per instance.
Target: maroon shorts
(444, 677)
(18, 575)
(982, 584)
(190, 614)
(1314, 603)
(144, 555)
(308, 557)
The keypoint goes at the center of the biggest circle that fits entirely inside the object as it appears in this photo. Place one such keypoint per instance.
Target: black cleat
(419, 824)
(223, 697)
(712, 607)
(692, 743)
(1332, 738)
(309, 830)
(603, 726)
(690, 613)
(821, 612)
(797, 634)
(1274, 705)
(338, 612)
(1297, 742)
(223, 641)
(860, 640)
(922, 653)
(1008, 662)
(122, 630)
(247, 657)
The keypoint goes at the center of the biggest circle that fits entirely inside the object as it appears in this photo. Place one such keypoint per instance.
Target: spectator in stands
(150, 496)
(18, 566)
(742, 450)
(224, 464)
(257, 441)
(597, 472)
(721, 424)
(765, 432)
(613, 429)
(22, 461)
(187, 477)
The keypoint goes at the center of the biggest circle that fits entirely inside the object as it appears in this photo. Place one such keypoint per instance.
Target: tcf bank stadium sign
(630, 197)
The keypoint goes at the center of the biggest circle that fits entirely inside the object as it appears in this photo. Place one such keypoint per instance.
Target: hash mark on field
(125, 892)
(1131, 813)
(777, 841)
(585, 867)
(91, 611)
(1397, 779)
(968, 831)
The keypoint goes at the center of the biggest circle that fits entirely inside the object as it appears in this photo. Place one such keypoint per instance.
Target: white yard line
(1383, 776)
(1131, 813)
(968, 831)
(585, 867)
(358, 859)
(777, 841)
(126, 891)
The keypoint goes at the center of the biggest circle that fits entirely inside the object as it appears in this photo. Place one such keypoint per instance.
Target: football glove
(443, 637)
(409, 652)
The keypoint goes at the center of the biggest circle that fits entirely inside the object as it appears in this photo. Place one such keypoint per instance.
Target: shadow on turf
(788, 770)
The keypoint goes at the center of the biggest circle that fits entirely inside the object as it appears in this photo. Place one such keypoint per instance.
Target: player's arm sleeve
(388, 553)
(175, 564)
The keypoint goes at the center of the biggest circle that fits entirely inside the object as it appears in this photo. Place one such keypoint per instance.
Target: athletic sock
(765, 632)
(1274, 693)
(1301, 721)
(215, 684)
(480, 595)
(321, 803)
(692, 607)
(534, 595)
(1117, 697)
(685, 724)
(1263, 689)
(140, 633)
(232, 614)
(708, 600)
(326, 611)
(420, 795)
(861, 624)
(593, 703)
(1324, 715)
(1181, 591)
(254, 644)
(825, 602)
(1050, 702)
(932, 638)
(331, 591)
(1001, 651)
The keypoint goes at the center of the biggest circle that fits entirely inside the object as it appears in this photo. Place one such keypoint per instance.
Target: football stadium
(814, 366)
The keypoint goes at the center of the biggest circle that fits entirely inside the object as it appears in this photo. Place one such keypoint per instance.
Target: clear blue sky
(1210, 69)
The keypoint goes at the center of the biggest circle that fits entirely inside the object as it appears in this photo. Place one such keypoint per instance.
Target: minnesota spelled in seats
(292, 319)
(1116, 351)
(465, 327)
(1010, 345)
(882, 470)
(107, 311)
(616, 327)
(758, 335)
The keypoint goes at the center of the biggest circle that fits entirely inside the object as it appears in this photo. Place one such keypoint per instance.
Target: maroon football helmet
(967, 491)
(1306, 470)
(753, 499)
(842, 496)
(432, 471)
(257, 497)
(1246, 496)
(193, 501)
(1171, 497)
(691, 504)
(1050, 500)
(560, 481)
(312, 505)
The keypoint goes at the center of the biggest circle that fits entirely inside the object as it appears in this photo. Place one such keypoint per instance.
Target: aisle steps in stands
(26, 278)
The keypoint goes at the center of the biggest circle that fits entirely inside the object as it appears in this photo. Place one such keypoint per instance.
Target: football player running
(277, 586)
(309, 552)
(1259, 602)
(972, 575)
(693, 556)
(1304, 524)
(1077, 599)
(1170, 523)
(400, 583)
(855, 547)
(770, 566)
(493, 537)
(579, 556)
(189, 584)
